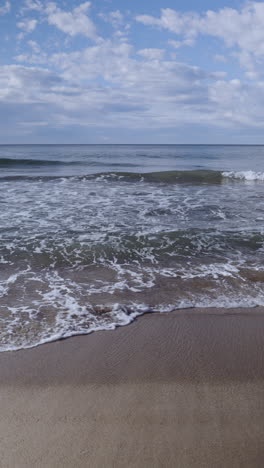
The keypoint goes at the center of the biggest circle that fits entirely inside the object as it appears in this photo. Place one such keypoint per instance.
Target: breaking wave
(244, 175)
(196, 177)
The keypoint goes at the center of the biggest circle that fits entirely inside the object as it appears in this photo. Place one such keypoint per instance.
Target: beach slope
(184, 389)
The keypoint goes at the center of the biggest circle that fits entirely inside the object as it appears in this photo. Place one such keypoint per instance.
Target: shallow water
(91, 236)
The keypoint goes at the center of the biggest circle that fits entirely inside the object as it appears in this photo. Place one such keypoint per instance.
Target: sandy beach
(183, 389)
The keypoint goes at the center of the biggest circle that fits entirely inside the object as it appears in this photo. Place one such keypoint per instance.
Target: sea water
(93, 235)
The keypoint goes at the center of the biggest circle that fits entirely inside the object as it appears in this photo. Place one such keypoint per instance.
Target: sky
(116, 71)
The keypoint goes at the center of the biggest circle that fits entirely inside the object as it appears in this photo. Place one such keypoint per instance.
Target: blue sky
(112, 71)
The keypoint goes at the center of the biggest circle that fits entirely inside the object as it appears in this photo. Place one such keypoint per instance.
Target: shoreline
(170, 389)
(205, 311)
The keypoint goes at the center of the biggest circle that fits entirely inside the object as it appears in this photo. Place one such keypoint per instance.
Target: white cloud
(239, 103)
(178, 23)
(27, 25)
(5, 8)
(32, 5)
(25, 84)
(220, 58)
(35, 56)
(34, 46)
(243, 29)
(116, 18)
(178, 44)
(151, 54)
(105, 59)
(75, 22)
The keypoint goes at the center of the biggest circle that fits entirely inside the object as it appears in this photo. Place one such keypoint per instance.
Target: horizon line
(131, 144)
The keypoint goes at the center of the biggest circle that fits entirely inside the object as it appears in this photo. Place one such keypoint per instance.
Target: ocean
(92, 236)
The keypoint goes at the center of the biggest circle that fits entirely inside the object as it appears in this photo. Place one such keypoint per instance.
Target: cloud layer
(100, 79)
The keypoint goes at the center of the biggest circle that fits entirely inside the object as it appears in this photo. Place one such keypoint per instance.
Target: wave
(195, 176)
(11, 162)
(164, 177)
(198, 177)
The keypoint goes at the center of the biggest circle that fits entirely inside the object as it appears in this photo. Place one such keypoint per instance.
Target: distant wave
(7, 162)
(10, 162)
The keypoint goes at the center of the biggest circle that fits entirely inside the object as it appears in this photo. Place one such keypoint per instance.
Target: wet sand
(169, 390)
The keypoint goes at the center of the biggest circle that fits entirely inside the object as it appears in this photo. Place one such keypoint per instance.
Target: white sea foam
(92, 254)
(120, 315)
(244, 175)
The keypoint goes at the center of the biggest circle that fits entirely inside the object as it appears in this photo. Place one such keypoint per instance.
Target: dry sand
(170, 390)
